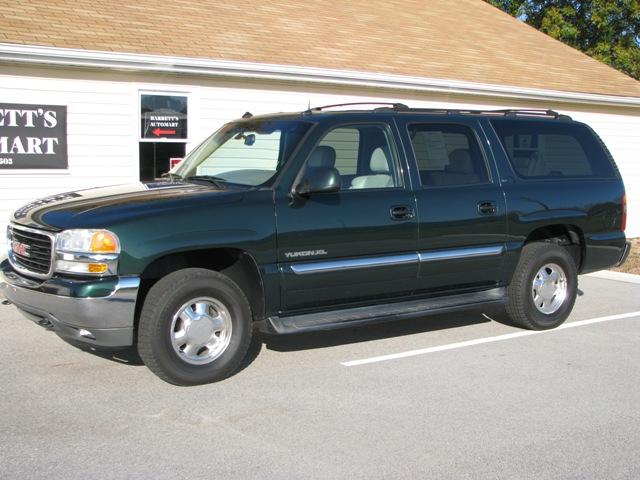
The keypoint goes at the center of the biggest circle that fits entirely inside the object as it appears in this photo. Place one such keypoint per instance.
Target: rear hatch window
(542, 150)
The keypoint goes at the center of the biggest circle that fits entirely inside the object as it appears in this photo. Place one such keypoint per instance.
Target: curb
(617, 276)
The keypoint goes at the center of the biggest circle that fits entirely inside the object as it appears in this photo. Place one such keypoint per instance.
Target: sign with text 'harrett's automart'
(33, 136)
(163, 117)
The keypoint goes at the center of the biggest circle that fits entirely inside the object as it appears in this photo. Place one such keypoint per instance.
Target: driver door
(357, 244)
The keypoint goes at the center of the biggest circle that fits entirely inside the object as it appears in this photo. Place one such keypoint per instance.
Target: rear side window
(447, 154)
(553, 150)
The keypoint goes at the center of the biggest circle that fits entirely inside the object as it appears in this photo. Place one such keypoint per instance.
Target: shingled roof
(466, 40)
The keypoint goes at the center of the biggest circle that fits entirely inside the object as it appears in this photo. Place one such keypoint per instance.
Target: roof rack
(506, 112)
(394, 106)
(401, 107)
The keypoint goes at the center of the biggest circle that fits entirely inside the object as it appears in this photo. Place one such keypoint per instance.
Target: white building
(108, 68)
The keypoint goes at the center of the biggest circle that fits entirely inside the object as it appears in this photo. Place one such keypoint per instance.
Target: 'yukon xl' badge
(305, 253)
(20, 249)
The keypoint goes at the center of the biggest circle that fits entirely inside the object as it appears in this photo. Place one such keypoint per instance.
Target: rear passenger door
(461, 207)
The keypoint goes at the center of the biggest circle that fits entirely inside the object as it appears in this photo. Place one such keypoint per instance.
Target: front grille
(29, 250)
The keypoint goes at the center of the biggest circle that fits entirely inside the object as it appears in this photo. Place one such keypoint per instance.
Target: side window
(552, 149)
(345, 143)
(447, 155)
(362, 155)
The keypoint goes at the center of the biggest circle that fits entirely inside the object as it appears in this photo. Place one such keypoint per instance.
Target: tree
(607, 30)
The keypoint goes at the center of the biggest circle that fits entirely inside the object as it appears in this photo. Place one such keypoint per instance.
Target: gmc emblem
(20, 248)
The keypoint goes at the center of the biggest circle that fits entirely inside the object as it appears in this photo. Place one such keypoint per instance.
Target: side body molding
(307, 268)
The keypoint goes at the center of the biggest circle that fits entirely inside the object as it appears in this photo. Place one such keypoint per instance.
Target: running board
(360, 315)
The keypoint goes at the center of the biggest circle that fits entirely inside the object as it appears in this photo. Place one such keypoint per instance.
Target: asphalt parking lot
(562, 404)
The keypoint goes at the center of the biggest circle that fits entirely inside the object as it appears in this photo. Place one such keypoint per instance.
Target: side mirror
(318, 180)
(250, 139)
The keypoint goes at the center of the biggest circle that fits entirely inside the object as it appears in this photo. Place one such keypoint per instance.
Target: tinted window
(552, 149)
(362, 155)
(447, 155)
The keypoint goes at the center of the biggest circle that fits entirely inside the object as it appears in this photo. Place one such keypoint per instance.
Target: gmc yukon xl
(323, 219)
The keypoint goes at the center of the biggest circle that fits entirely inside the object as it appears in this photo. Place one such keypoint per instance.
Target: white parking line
(478, 341)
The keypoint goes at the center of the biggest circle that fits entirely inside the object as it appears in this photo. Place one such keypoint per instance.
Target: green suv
(318, 220)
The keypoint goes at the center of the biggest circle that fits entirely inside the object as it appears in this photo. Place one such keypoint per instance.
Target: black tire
(520, 304)
(164, 301)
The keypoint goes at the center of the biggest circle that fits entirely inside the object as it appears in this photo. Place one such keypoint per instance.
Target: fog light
(97, 267)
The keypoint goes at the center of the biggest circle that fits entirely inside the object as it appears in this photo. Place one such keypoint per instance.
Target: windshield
(244, 153)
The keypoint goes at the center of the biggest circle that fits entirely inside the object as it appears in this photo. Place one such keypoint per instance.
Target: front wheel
(544, 286)
(195, 327)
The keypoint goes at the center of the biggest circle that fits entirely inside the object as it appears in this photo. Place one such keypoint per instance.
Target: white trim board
(159, 63)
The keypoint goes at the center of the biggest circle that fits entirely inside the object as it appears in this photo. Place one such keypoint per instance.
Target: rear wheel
(195, 327)
(543, 288)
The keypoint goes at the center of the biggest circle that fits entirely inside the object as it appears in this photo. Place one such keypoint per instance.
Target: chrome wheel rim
(549, 289)
(201, 330)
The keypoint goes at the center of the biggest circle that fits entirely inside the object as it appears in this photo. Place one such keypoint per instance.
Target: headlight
(87, 252)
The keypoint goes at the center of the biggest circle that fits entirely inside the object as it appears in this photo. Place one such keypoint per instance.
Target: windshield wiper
(216, 181)
(171, 176)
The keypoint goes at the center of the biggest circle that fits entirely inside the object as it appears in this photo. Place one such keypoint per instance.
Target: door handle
(487, 207)
(402, 212)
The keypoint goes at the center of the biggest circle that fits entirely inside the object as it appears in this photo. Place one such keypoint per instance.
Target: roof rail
(507, 112)
(535, 112)
(394, 106)
(401, 107)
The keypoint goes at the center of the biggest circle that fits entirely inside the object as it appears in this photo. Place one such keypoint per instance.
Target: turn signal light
(103, 242)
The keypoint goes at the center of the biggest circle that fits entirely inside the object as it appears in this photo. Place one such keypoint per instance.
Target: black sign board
(33, 136)
(163, 116)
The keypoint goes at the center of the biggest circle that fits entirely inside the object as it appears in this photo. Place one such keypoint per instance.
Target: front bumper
(106, 320)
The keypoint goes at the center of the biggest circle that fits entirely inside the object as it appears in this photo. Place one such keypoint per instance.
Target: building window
(163, 133)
